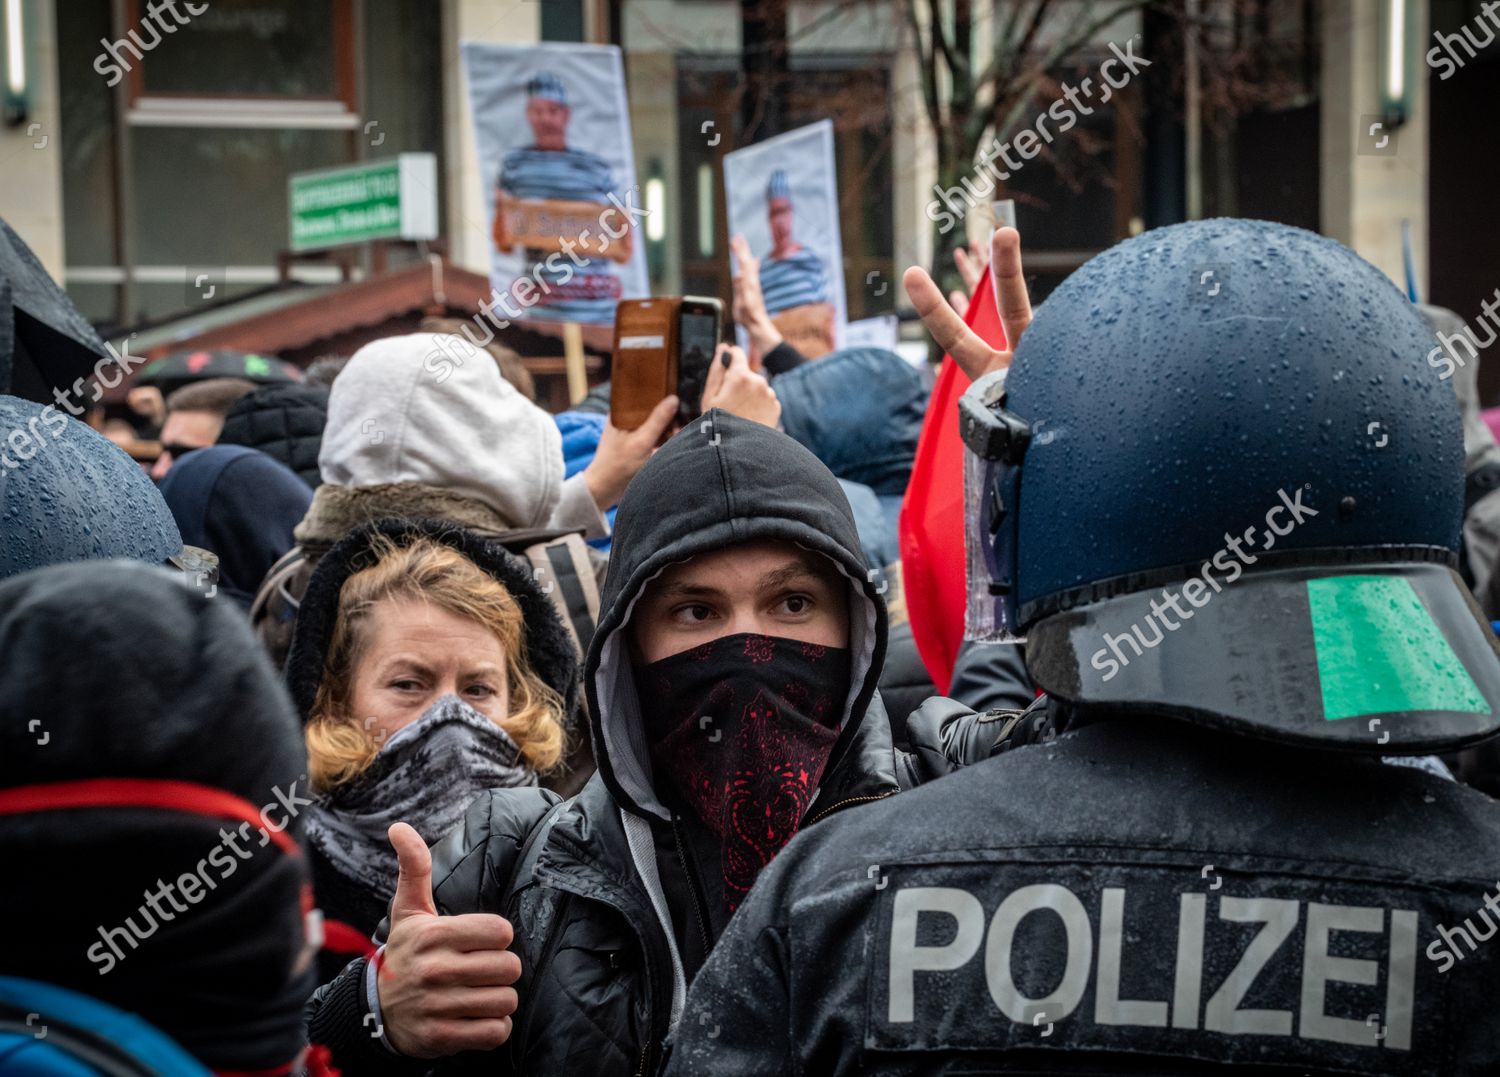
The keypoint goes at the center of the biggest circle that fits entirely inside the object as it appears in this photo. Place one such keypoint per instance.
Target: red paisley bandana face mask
(741, 728)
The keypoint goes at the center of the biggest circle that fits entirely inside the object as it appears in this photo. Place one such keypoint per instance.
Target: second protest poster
(782, 196)
(553, 134)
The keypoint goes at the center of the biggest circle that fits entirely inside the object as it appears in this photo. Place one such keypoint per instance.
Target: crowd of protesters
(393, 725)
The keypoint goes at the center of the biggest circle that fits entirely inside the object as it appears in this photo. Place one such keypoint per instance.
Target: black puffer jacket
(285, 421)
(549, 649)
(603, 977)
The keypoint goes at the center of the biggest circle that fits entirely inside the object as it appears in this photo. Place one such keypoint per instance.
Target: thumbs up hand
(445, 983)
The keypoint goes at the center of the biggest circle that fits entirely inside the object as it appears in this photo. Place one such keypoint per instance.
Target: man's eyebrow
(682, 589)
(797, 570)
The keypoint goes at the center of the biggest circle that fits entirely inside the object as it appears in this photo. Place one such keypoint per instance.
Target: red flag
(932, 514)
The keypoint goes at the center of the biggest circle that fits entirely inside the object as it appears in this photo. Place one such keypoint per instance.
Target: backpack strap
(284, 569)
(562, 568)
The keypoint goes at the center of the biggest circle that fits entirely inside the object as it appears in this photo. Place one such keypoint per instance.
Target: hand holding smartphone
(662, 346)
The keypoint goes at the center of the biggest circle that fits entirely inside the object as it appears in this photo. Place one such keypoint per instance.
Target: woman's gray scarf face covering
(425, 775)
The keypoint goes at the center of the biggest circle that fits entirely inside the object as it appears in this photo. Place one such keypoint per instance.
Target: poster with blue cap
(552, 130)
(782, 196)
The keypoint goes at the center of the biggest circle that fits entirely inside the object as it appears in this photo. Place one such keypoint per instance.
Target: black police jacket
(1136, 896)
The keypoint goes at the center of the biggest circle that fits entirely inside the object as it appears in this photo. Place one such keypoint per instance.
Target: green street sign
(333, 207)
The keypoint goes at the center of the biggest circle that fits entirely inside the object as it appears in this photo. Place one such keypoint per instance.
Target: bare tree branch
(1009, 33)
(963, 48)
(940, 39)
(1067, 44)
(927, 65)
(1022, 48)
(813, 25)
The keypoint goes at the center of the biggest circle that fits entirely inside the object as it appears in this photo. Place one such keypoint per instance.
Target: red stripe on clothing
(161, 793)
(344, 938)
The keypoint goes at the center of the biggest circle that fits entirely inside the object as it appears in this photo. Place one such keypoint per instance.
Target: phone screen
(699, 338)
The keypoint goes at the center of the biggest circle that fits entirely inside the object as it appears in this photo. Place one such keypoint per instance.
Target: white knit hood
(403, 411)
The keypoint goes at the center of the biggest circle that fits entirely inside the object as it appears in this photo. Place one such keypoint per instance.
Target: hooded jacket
(402, 411)
(242, 505)
(549, 650)
(424, 427)
(285, 421)
(868, 436)
(603, 974)
(140, 725)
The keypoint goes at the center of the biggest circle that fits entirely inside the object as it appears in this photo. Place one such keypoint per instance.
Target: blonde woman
(428, 667)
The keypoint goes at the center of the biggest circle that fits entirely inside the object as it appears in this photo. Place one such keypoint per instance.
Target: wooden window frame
(339, 110)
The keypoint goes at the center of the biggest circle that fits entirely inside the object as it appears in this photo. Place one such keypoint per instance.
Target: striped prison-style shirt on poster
(572, 175)
(793, 281)
(576, 290)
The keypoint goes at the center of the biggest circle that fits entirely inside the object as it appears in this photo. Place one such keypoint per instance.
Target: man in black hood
(732, 689)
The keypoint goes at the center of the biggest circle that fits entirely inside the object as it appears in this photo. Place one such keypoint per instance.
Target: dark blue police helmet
(1231, 490)
(67, 493)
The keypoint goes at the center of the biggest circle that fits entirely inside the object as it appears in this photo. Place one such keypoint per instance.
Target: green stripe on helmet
(1379, 651)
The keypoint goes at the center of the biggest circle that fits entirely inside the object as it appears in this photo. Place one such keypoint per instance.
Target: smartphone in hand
(701, 321)
(663, 346)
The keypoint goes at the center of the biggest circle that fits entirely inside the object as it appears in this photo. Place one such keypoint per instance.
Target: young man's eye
(692, 614)
(796, 604)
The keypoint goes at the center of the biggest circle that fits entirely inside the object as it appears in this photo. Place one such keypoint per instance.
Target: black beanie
(152, 783)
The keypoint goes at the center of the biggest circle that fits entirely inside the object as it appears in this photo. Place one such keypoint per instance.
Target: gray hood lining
(620, 719)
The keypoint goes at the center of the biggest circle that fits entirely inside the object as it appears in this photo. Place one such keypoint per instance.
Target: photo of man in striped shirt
(790, 275)
(584, 289)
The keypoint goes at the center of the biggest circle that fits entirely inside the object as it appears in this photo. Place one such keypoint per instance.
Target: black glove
(945, 735)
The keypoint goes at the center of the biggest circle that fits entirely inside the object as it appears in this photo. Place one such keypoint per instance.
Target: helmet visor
(1379, 657)
(994, 446)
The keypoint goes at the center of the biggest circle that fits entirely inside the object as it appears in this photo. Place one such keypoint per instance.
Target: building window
(274, 63)
(213, 118)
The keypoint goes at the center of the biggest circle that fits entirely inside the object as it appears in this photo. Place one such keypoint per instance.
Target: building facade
(147, 149)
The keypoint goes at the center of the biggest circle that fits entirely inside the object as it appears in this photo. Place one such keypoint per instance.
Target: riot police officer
(1223, 501)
